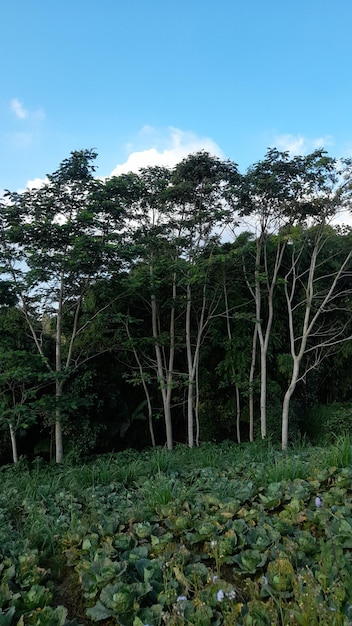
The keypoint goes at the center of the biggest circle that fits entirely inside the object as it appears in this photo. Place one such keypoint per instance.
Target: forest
(176, 306)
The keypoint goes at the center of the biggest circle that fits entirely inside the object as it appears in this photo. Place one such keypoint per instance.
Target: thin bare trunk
(286, 404)
(161, 377)
(165, 374)
(74, 332)
(263, 372)
(190, 368)
(251, 383)
(59, 382)
(59, 451)
(193, 359)
(263, 330)
(13, 443)
(170, 364)
(262, 342)
(263, 389)
(196, 406)
(190, 396)
(238, 414)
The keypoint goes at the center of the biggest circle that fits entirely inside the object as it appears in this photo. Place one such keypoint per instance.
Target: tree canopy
(173, 304)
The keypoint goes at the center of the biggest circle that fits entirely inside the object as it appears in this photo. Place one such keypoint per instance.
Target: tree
(318, 292)
(238, 363)
(56, 241)
(277, 194)
(204, 192)
(152, 275)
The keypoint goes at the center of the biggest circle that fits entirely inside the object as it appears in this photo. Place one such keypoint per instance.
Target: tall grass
(286, 467)
(340, 453)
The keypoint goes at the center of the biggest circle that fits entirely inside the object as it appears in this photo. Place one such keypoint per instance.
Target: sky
(149, 82)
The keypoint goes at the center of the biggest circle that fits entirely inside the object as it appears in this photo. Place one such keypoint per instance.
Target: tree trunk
(13, 443)
(150, 414)
(193, 363)
(190, 397)
(59, 382)
(286, 403)
(262, 342)
(190, 389)
(263, 385)
(196, 408)
(164, 366)
(166, 397)
(250, 384)
(264, 330)
(165, 378)
(238, 414)
(58, 442)
(59, 451)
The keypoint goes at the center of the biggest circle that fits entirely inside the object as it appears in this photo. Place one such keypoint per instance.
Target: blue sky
(150, 81)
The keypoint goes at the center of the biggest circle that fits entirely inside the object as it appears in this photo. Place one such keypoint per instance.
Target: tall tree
(277, 194)
(318, 292)
(204, 190)
(237, 365)
(152, 280)
(155, 183)
(55, 242)
(324, 190)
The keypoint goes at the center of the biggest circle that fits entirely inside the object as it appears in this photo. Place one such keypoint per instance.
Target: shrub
(326, 422)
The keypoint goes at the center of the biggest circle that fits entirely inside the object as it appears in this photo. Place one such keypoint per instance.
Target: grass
(340, 453)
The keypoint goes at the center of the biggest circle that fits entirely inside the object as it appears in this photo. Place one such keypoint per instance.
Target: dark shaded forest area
(175, 306)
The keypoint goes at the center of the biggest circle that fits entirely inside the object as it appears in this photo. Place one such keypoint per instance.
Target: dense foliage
(174, 305)
(226, 534)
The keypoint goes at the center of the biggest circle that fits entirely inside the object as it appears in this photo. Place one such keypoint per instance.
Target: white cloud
(37, 183)
(34, 183)
(18, 109)
(323, 142)
(290, 143)
(297, 144)
(21, 113)
(165, 148)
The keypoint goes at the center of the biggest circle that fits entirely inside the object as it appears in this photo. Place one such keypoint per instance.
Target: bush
(326, 422)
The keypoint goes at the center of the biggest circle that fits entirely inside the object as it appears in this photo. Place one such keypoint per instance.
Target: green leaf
(6, 616)
(99, 612)
(99, 572)
(249, 561)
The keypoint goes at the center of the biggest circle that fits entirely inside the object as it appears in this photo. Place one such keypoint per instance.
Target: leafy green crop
(227, 549)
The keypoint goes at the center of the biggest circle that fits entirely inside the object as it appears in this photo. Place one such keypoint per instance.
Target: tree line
(173, 304)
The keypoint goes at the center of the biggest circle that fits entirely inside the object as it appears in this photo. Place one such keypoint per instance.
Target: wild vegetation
(220, 534)
(180, 305)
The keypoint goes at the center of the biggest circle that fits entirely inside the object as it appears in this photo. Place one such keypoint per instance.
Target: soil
(67, 593)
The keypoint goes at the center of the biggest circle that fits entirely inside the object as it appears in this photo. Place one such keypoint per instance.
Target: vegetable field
(216, 535)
